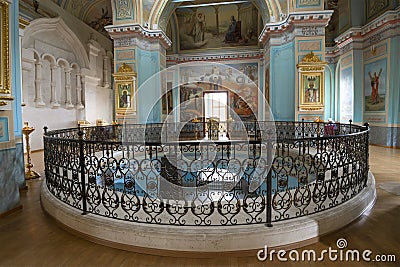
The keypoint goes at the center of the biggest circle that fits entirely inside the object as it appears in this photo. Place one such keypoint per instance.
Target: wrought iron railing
(262, 172)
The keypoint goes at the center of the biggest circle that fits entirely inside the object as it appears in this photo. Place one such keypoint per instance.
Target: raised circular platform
(203, 241)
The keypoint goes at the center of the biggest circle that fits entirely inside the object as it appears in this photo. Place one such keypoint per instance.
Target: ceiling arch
(162, 10)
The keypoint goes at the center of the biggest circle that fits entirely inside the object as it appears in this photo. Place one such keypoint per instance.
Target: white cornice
(120, 31)
(385, 26)
(306, 18)
(216, 56)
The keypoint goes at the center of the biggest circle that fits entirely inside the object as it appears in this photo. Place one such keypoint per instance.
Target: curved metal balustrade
(153, 174)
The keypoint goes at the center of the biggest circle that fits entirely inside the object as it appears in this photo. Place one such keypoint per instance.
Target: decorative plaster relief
(309, 3)
(124, 10)
(309, 31)
(310, 46)
(136, 41)
(125, 55)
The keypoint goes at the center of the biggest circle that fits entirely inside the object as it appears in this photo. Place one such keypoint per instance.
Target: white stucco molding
(317, 19)
(58, 25)
(136, 30)
(389, 20)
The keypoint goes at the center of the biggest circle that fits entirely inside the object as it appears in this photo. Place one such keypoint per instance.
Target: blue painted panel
(358, 86)
(4, 136)
(394, 81)
(329, 111)
(283, 75)
(148, 89)
(346, 95)
(16, 82)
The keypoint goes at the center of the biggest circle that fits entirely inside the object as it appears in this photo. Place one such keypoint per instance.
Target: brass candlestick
(29, 174)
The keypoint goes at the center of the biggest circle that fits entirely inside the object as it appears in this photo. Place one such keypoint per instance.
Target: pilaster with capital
(38, 92)
(79, 104)
(53, 98)
(68, 102)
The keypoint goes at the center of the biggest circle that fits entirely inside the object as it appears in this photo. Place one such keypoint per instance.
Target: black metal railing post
(45, 153)
(269, 185)
(350, 121)
(82, 171)
(366, 152)
(303, 134)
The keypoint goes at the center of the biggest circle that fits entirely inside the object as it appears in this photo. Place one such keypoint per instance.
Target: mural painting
(218, 26)
(242, 87)
(375, 85)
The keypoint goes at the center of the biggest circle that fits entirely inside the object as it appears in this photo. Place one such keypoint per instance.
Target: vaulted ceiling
(95, 13)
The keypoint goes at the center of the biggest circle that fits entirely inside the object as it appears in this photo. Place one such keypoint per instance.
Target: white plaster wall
(52, 118)
(52, 42)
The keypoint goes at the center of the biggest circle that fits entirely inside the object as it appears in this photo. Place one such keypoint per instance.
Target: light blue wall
(329, 91)
(11, 159)
(16, 70)
(358, 85)
(149, 89)
(283, 76)
(394, 81)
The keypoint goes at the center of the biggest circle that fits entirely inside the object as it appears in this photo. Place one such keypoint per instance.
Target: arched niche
(54, 31)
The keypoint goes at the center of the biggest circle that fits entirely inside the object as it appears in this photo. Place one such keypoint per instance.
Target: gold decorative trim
(311, 68)
(312, 108)
(3, 100)
(125, 90)
(311, 91)
(23, 23)
(311, 58)
(125, 68)
(4, 56)
(125, 73)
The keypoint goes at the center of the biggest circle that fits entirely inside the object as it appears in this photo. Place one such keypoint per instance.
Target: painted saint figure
(311, 94)
(375, 87)
(124, 100)
(230, 34)
(198, 27)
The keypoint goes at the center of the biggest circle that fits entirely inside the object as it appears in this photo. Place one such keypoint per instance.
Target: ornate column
(38, 77)
(140, 50)
(68, 101)
(79, 91)
(53, 98)
(106, 71)
(286, 43)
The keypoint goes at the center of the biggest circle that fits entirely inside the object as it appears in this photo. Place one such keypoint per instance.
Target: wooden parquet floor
(30, 238)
